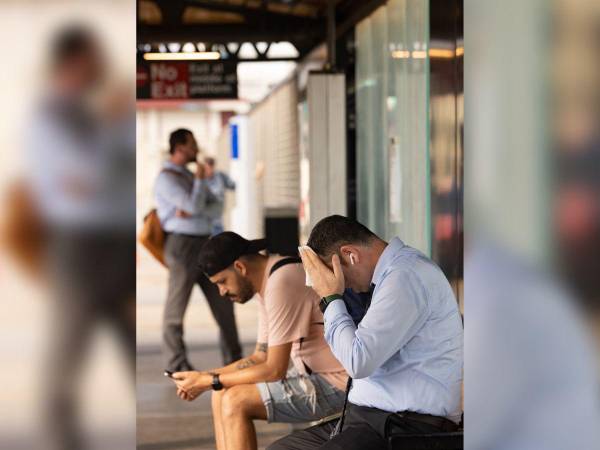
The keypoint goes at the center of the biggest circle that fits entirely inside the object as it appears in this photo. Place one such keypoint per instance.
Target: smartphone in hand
(169, 374)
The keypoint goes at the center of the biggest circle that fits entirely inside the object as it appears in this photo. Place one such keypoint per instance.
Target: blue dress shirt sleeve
(398, 310)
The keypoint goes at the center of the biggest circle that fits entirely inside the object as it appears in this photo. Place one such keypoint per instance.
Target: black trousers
(364, 429)
(93, 283)
(181, 255)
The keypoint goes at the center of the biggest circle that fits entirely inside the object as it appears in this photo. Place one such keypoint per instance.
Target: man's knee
(290, 442)
(170, 326)
(235, 401)
(309, 439)
(276, 446)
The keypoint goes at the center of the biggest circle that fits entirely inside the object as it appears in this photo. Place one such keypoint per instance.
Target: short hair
(177, 137)
(330, 233)
(71, 43)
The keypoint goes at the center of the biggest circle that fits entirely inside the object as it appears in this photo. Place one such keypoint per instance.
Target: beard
(246, 292)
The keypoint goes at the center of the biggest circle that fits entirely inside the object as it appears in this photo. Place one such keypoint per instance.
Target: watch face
(216, 383)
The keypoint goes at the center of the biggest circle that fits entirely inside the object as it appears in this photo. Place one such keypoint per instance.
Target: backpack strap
(284, 262)
(278, 265)
(174, 172)
(180, 175)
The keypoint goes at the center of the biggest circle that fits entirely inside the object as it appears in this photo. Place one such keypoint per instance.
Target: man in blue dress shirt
(183, 202)
(406, 354)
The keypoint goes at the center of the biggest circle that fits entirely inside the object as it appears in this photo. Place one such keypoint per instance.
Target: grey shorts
(300, 398)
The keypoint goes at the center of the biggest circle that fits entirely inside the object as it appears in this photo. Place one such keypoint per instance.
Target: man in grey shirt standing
(183, 202)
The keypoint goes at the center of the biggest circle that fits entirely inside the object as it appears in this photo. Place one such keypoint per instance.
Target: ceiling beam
(171, 10)
(353, 11)
(253, 15)
(230, 33)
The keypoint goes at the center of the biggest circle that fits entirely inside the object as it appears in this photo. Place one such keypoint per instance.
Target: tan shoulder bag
(152, 235)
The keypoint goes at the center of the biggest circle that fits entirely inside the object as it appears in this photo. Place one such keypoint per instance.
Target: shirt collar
(386, 258)
(171, 166)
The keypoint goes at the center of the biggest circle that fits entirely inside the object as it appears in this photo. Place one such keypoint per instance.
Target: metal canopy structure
(226, 25)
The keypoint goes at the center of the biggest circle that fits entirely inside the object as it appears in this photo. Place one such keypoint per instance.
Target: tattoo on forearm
(245, 364)
(262, 347)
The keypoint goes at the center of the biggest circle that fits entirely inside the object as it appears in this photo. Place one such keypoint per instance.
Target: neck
(175, 159)
(64, 88)
(257, 265)
(376, 251)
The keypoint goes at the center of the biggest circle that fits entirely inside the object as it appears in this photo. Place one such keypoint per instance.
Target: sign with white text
(181, 80)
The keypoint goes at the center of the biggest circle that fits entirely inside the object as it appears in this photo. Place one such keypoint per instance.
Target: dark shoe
(181, 367)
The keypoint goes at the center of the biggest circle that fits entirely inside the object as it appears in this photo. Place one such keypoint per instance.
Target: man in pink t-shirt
(290, 330)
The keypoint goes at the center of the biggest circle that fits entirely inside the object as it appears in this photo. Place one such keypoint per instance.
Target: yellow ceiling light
(401, 54)
(441, 53)
(433, 53)
(183, 56)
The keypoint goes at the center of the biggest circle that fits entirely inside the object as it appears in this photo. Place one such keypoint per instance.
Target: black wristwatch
(216, 383)
(325, 301)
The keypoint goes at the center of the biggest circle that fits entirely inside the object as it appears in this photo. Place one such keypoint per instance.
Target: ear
(346, 251)
(240, 267)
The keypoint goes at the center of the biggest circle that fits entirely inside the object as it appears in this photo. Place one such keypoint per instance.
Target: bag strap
(182, 176)
(284, 262)
(173, 171)
(278, 265)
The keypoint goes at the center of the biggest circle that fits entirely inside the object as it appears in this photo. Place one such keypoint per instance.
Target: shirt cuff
(335, 309)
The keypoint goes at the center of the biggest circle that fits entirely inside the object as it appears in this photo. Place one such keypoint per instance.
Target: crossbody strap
(284, 262)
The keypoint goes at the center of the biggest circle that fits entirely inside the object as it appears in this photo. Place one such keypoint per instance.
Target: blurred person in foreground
(183, 202)
(532, 259)
(218, 183)
(81, 174)
(290, 328)
(405, 356)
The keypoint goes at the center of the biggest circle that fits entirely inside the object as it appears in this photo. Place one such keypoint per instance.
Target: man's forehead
(219, 275)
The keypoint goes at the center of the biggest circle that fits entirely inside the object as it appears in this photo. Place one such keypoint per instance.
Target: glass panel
(371, 134)
(392, 122)
(407, 106)
(445, 147)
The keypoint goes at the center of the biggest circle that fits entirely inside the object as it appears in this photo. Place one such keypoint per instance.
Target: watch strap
(216, 382)
(325, 301)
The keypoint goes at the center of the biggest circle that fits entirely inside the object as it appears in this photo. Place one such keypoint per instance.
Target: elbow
(358, 359)
(359, 372)
(187, 211)
(195, 208)
(361, 368)
(276, 374)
